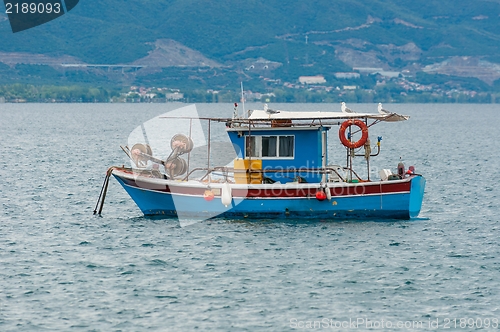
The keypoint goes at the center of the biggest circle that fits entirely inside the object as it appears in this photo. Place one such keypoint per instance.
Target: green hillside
(301, 37)
(117, 32)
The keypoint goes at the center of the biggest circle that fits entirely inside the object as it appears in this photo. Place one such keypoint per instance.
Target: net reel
(181, 144)
(174, 166)
(141, 159)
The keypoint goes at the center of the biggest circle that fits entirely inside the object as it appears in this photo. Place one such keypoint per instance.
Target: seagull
(382, 111)
(269, 111)
(345, 109)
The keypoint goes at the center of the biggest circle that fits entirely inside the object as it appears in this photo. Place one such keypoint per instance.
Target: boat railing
(226, 171)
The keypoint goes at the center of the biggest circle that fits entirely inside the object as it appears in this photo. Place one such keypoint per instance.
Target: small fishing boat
(281, 169)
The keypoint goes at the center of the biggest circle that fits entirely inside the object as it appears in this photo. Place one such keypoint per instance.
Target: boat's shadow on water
(256, 222)
(319, 222)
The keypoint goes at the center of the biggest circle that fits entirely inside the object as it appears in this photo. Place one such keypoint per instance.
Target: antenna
(307, 51)
(242, 99)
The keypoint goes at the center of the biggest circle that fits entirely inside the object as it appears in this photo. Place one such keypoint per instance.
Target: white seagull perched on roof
(382, 111)
(345, 109)
(269, 111)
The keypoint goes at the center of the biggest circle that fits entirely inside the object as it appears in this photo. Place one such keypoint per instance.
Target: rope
(368, 149)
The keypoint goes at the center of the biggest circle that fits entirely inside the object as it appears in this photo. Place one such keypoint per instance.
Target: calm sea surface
(64, 269)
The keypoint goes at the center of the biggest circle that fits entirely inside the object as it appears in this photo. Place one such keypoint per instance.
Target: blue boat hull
(383, 205)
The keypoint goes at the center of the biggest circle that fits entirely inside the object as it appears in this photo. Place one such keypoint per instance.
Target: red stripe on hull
(367, 188)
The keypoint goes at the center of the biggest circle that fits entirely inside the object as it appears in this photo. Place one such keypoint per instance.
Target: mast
(242, 99)
(323, 154)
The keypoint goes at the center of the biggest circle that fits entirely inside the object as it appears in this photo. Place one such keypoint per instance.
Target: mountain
(203, 43)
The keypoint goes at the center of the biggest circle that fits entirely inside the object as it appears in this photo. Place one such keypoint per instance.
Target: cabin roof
(286, 115)
(267, 116)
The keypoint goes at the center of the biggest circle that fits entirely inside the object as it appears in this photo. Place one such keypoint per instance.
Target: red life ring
(347, 142)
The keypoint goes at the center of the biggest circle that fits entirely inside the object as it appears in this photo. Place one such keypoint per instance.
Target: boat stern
(416, 195)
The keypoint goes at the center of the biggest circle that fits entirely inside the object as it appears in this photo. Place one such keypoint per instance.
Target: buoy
(226, 195)
(320, 195)
(208, 195)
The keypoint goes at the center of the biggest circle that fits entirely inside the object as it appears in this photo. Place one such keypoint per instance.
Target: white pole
(323, 155)
(242, 99)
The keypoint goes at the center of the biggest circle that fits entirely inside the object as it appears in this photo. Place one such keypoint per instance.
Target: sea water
(62, 268)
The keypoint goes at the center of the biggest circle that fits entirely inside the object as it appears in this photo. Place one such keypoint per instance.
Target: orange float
(208, 195)
(320, 195)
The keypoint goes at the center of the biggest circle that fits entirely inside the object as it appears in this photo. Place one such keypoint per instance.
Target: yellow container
(255, 178)
(241, 178)
(240, 163)
(247, 178)
(243, 171)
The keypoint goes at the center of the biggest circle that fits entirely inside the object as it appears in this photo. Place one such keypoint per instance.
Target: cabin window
(269, 146)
